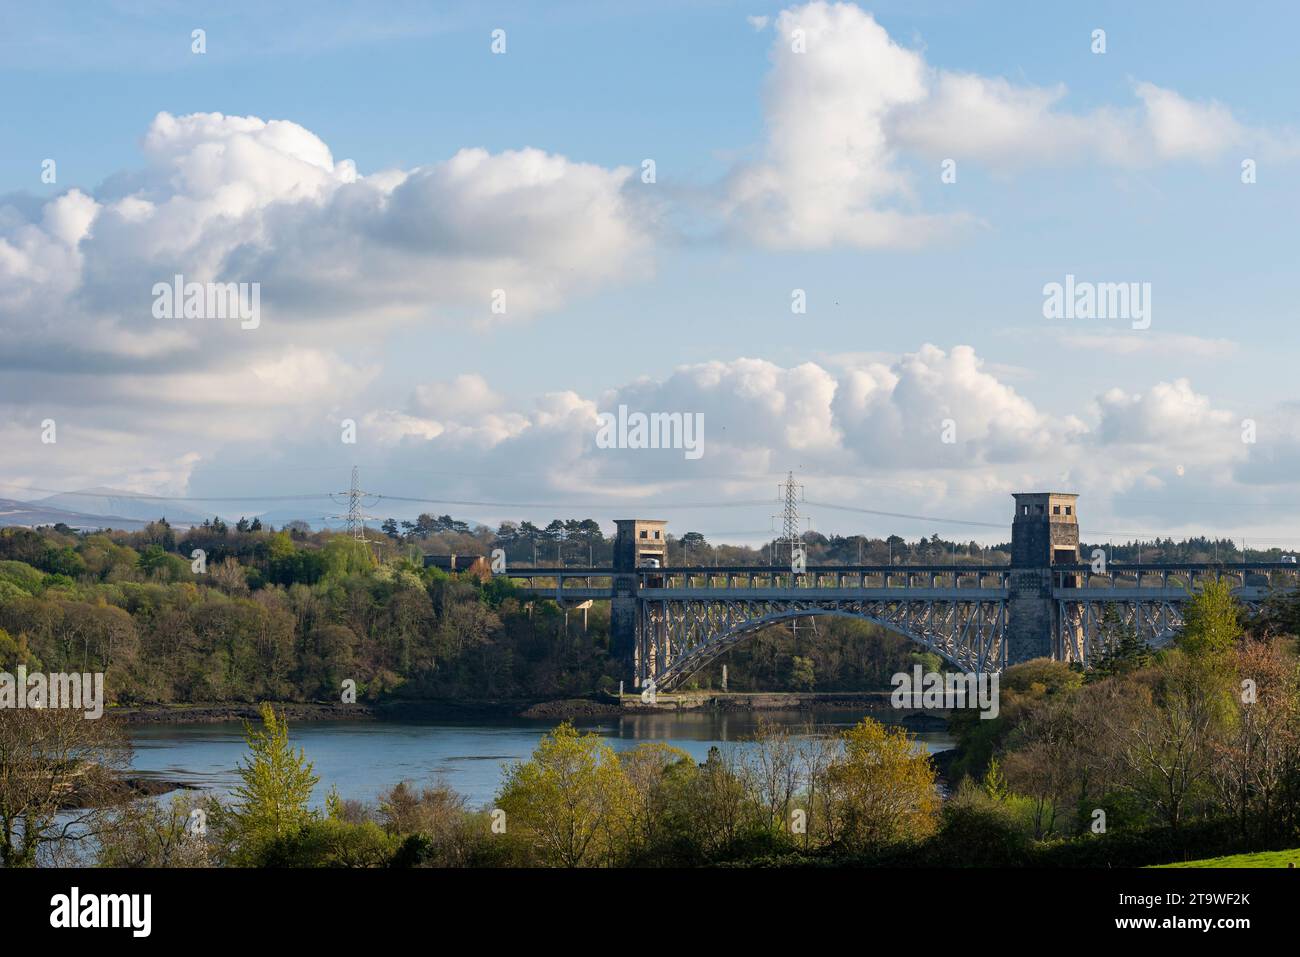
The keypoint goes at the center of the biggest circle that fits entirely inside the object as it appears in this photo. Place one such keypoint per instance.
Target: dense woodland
(289, 615)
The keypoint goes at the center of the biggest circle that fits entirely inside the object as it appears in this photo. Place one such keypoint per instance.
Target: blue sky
(1100, 180)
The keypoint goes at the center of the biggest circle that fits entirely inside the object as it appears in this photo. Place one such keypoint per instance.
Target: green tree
(884, 788)
(571, 803)
(1211, 622)
(277, 784)
(1124, 650)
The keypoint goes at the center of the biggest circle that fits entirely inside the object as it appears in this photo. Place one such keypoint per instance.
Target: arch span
(966, 635)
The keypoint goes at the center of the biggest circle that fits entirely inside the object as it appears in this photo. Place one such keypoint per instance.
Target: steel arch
(677, 641)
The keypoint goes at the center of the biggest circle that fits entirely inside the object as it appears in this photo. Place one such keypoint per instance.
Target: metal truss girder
(680, 636)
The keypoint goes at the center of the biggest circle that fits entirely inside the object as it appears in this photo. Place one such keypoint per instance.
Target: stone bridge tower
(639, 540)
(1044, 532)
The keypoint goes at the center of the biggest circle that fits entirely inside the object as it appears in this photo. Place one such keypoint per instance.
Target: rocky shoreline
(596, 706)
(219, 712)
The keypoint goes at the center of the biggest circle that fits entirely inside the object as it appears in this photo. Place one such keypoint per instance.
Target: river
(364, 758)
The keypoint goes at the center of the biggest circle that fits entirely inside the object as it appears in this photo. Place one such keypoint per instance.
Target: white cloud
(231, 198)
(1169, 415)
(828, 174)
(846, 117)
(1181, 128)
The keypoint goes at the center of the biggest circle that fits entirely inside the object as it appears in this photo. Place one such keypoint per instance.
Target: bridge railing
(815, 577)
(1175, 576)
(1167, 576)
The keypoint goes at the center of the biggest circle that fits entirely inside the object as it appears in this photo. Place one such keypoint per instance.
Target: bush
(329, 842)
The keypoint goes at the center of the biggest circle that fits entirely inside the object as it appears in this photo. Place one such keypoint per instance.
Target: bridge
(669, 622)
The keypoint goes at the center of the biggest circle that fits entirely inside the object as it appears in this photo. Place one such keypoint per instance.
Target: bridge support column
(1044, 532)
(639, 543)
(1030, 615)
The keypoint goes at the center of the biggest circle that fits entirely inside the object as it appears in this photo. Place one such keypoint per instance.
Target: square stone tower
(638, 541)
(1044, 532)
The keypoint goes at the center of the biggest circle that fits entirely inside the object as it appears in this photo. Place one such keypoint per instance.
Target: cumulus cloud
(759, 417)
(867, 431)
(848, 110)
(1168, 416)
(899, 412)
(828, 173)
(242, 199)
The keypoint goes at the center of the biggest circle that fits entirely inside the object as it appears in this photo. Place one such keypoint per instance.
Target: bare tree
(1160, 733)
(1259, 749)
(58, 779)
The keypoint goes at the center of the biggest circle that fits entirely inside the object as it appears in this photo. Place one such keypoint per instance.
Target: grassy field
(1261, 859)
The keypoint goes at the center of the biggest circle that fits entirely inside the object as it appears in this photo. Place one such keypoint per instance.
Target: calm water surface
(364, 758)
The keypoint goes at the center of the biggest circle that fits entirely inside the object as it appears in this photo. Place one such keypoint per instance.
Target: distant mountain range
(115, 502)
(36, 513)
(103, 507)
(113, 508)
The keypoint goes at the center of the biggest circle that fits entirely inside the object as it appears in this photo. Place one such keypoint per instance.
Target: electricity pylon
(355, 518)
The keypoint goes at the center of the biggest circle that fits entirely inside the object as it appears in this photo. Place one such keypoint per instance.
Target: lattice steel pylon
(791, 494)
(355, 518)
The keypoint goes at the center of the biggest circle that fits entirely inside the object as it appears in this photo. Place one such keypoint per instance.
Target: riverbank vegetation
(290, 616)
(1181, 754)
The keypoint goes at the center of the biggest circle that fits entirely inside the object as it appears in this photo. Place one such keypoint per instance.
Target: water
(364, 758)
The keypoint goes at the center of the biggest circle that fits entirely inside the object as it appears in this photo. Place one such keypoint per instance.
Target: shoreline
(593, 706)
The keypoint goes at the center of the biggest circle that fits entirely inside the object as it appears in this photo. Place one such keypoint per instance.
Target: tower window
(1068, 510)
(1056, 510)
(656, 534)
(644, 533)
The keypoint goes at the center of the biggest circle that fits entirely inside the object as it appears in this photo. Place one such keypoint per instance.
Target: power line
(574, 505)
(583, 506)
(918, 518)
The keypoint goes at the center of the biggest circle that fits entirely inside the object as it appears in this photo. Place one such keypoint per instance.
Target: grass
(1258, 859)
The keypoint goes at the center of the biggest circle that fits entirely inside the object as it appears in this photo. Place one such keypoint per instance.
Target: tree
(1124, 651)
(277, 784)
(802, 673)
(1041, 763)
(1211, 622)
(571, 802)
(646, 768)
(1159, 729)
(1258, 753)
(154, 834)
(152, 558)
(58, 777)
(884, 788)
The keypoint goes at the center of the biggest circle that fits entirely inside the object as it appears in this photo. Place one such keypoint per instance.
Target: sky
(476, 228)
